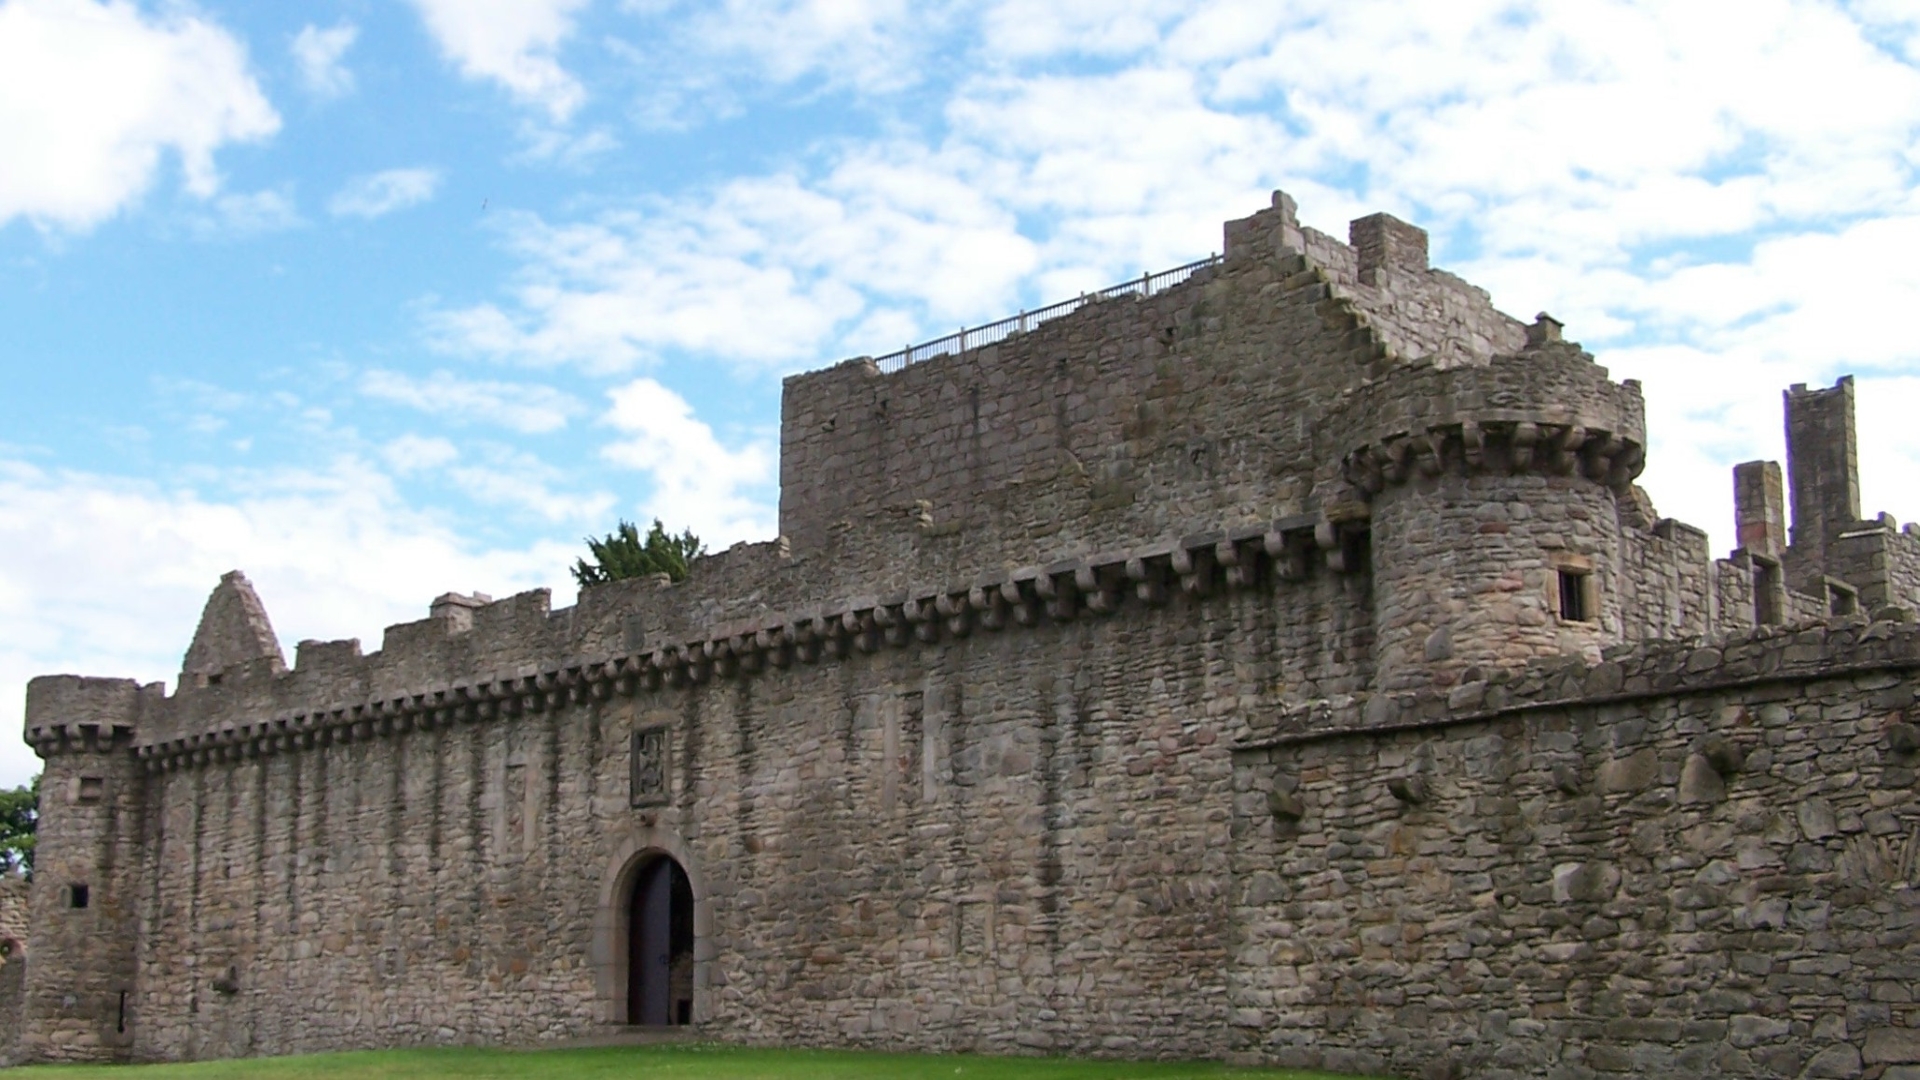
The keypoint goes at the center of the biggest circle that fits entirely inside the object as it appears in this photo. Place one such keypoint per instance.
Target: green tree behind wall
(19, 813)
(624, 554)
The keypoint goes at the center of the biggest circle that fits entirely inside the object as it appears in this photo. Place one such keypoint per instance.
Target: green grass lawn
(678, 1062)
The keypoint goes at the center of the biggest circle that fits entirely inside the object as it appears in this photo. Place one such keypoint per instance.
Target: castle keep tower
(1273, 656)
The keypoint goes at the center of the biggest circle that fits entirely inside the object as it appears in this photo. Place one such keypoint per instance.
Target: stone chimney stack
(1386, 245)
(458, 609)
(1273, 231)
(1759, 508)
(1823, 464)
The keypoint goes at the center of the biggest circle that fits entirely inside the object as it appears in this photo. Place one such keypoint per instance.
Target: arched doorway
(660, 945)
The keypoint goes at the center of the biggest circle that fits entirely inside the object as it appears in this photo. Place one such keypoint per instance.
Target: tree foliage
(624, 554)
(19, 813)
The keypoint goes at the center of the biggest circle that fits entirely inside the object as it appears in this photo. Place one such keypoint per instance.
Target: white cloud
(93, 94)
(527, 408)
(769, 272)
(564, 147)
(238, 215)
(1100, 28)
(892, 241)
(1895, 22)
(507, 477)
(1591, 126)
(512, 43)
(410, 454)
(1133, 171)
(381, 193)
(697, 62)
(318, 54)
(106, 576)
(698, 481)
(1768, 306)
(870, 44)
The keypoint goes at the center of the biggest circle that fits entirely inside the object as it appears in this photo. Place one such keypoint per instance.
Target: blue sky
(376, 299)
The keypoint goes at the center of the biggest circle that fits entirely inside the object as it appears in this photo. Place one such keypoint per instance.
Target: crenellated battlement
(517, 659)
(1549, 409)
(74, 714)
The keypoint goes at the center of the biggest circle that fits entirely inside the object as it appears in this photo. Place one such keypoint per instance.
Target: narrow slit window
(1573, 596)
(78, 896)
(1766, 601)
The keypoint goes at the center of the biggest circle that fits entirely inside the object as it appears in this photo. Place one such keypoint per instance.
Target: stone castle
(1271, 660)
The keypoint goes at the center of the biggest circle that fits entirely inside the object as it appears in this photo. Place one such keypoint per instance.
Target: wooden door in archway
(660, 946)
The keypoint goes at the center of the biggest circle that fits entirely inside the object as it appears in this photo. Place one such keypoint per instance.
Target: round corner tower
(83, 918)
(1492, 500)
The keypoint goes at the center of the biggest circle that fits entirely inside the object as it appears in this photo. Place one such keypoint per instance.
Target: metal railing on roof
(976, 336)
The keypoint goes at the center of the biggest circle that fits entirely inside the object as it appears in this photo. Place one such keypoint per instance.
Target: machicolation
(1274, 659)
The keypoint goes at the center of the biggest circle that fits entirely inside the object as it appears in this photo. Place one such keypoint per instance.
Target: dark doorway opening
(660, 946)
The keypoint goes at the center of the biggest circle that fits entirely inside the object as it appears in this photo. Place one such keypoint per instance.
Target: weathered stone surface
(1835, 1061)
(1634, 772)
(13, 914)
(1583, 882)
(1281, 665)
(13, 940)
(1892, 1046)
(234, 630)
(1748, 1031)
(1700, 782)
(1816, 818)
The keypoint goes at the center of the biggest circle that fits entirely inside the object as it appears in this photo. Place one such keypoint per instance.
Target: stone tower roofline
(1379, 251)
(233, 630)
(1831, 558)
(843, 455)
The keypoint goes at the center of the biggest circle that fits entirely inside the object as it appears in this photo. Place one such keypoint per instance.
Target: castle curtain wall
(1619, 869)
(1030, 840)
(912, 847)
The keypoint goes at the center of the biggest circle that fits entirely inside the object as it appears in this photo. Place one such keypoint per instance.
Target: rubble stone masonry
(1282, 666)
(13, 943)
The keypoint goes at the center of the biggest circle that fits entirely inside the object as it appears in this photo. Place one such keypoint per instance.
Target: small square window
(1841, 600)
(92, 788)
(1574, 606)
(78, 896)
